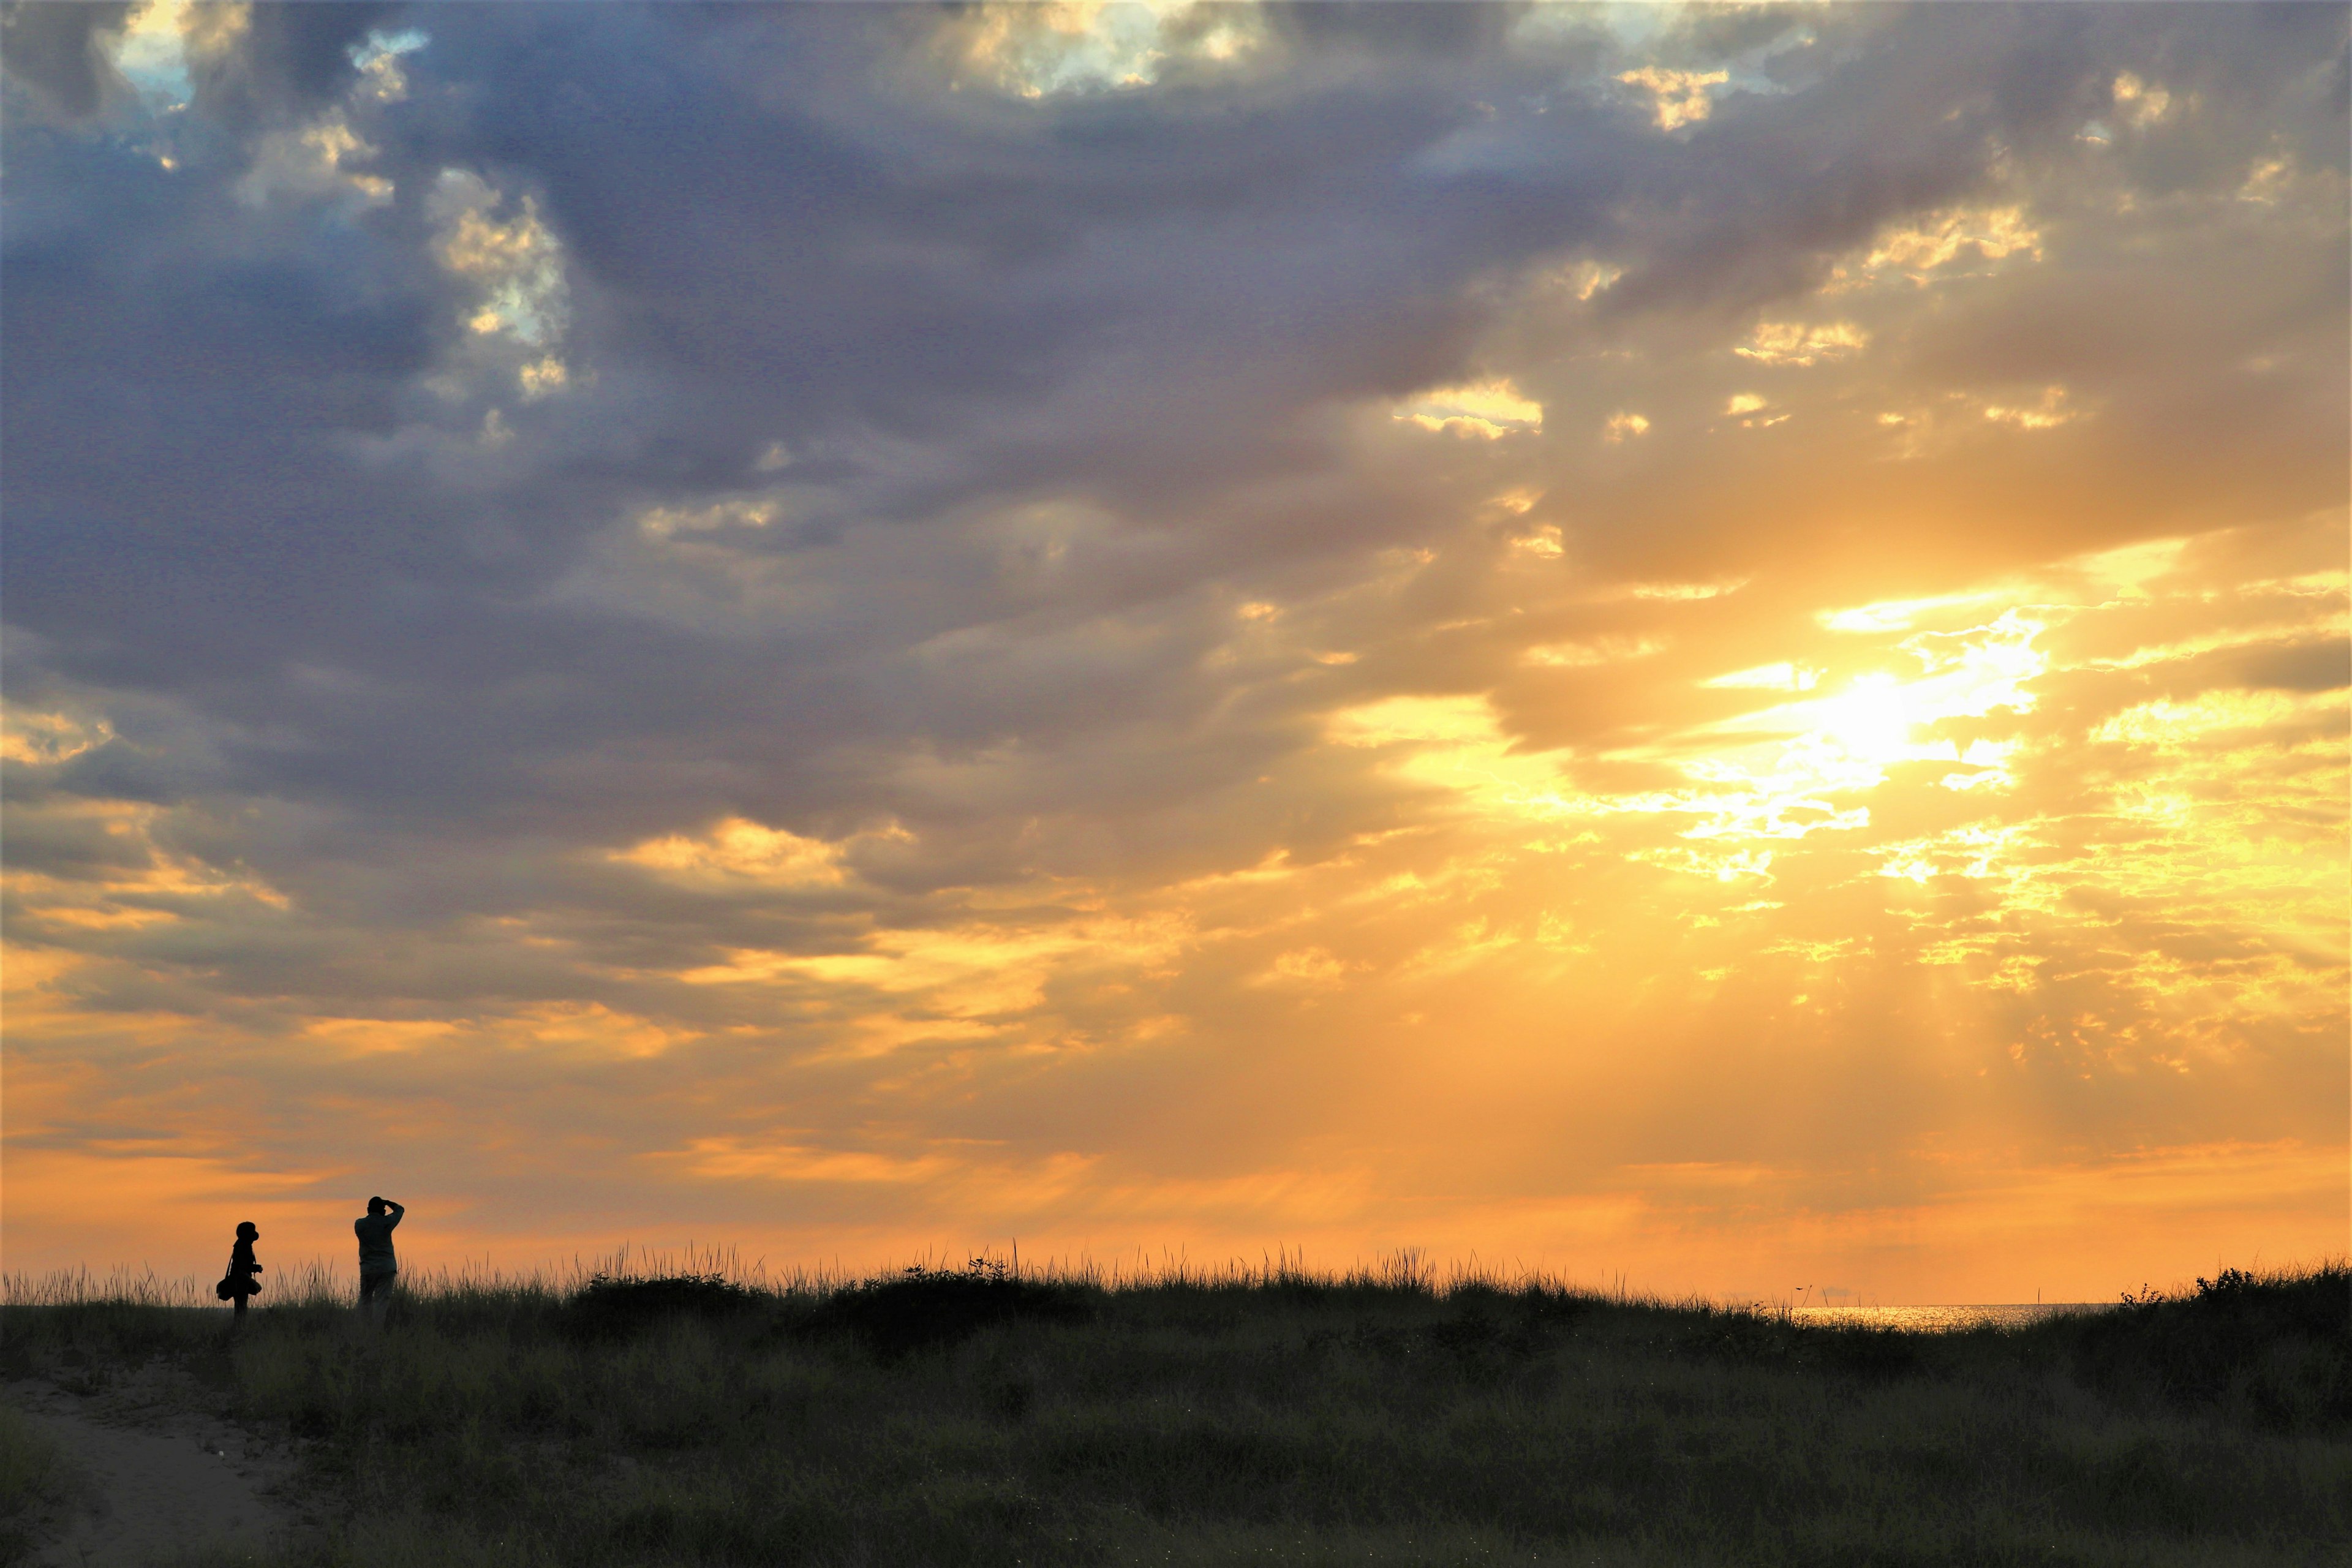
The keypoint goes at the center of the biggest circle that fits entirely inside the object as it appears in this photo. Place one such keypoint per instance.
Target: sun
(1874, 718)
(1882, 718)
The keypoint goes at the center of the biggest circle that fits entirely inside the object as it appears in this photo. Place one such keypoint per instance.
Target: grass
(699, 1416)
(36, 1484)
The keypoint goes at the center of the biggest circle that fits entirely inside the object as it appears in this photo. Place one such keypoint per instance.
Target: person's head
(246, 1231)
(375, 1206)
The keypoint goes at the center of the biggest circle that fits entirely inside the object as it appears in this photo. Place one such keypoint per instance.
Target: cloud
(55, 53)
(1794, 343)
(1173, 618)
(1489, 409)
(1677, 98)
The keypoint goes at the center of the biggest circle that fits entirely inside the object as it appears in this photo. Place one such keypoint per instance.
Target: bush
(2277, 1350)
(923, 1309)
(611, 1308)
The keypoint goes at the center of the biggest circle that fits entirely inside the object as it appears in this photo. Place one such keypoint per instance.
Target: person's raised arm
(397, 1210)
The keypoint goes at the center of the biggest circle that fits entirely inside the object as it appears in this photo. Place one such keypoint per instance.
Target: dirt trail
(158, 1478)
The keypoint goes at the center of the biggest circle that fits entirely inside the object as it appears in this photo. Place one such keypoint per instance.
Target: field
(976, 1417)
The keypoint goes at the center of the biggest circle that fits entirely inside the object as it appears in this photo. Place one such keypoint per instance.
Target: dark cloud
(2318, 666)
(51, 52)
(292, 58)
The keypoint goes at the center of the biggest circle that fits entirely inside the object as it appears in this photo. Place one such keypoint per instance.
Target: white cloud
(1677, 98)
(378, 58)
(1038, 49)
(1488, 409)
(1796, 343)
(512, 259)
(307, 163)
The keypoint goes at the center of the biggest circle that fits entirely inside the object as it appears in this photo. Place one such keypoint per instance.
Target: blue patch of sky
(154, 57)
(380, 45)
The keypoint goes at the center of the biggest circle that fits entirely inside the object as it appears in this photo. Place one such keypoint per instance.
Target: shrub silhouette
(1876, 1355)
(611, 1308)
(2279, 1348)
(897, 1315)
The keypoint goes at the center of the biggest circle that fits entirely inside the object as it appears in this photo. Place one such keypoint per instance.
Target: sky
(1695, 647)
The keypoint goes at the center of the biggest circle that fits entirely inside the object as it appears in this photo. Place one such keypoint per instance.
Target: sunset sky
(1697, 646)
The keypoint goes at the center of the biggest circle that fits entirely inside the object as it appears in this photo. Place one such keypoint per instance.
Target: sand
(157, 1479)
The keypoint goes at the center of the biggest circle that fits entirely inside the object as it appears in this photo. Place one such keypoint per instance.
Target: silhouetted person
(238, 1285)
(378, 1267)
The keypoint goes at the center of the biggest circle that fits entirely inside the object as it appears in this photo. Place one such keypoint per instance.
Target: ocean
(1940, 1320)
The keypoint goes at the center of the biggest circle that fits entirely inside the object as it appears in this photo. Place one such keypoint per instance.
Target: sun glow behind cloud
(1153, 628)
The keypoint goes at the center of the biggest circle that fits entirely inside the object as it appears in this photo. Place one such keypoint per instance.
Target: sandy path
(158, 1479)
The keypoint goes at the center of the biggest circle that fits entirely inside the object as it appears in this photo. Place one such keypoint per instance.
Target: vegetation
(977, 1416)
(36, 1484)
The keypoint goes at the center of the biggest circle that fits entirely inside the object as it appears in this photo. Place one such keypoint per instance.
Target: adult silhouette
(238, 1285)
(379, 1268)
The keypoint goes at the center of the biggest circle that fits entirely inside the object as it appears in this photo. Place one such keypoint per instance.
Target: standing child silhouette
(379, 1268)
(239, 1284)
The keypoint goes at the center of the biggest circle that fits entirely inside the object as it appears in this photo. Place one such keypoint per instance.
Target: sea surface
(1940, 1320)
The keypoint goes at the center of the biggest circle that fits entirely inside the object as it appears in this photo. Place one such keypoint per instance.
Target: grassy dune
(975, 1417)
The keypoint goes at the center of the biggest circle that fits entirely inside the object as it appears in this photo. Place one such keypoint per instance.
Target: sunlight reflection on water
(1939, 1320)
